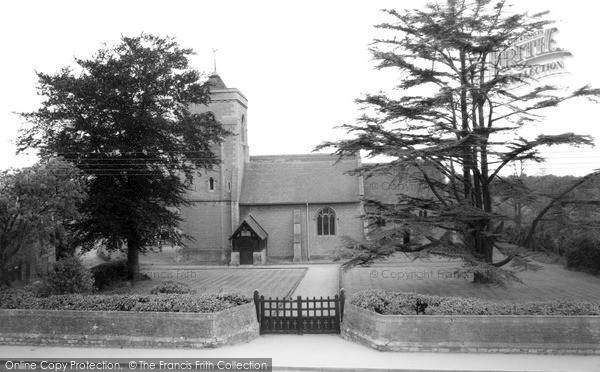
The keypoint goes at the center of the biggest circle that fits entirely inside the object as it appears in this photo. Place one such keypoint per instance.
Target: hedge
(170, 286)
(205, 303)
(108, 273)
(402, 303)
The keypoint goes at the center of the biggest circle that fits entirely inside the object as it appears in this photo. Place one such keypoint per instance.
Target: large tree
(36, 205)
(122, 117)
(454, 113)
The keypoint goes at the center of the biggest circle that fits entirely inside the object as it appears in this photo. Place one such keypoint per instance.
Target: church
(276, 208)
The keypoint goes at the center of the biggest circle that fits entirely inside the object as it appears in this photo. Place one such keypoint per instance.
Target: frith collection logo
(535, 56)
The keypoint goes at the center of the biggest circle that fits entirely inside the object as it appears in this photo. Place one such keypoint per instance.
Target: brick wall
(473, 333)
(128, 329)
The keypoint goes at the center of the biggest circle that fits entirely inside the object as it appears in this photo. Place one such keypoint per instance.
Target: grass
(269, 282)
(552, 282)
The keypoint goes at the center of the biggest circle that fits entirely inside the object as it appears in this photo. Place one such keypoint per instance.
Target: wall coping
(414, 316)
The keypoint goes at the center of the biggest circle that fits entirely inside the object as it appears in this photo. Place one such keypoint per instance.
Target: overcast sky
(301, 64)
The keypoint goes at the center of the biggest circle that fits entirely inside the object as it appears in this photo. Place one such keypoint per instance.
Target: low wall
(128, 328)
(473, 333)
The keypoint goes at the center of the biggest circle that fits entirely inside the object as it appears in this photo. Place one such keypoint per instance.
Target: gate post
(256, 305)
(299, 301)
(342, 301)
(263, 326)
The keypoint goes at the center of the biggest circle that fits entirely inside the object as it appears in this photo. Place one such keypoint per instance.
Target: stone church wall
(278, 221)
(208, 224)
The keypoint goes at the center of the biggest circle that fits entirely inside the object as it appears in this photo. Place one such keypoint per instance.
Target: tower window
(229, 186)
(211, 184)
(326, 222)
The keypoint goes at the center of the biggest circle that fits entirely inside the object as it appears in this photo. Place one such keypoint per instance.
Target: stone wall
(128, 329)
(473, 333)
(278, 222)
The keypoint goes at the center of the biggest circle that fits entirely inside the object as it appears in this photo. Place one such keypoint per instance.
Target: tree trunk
(133, 264)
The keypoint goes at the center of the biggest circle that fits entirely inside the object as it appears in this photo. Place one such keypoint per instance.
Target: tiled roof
(299, 179)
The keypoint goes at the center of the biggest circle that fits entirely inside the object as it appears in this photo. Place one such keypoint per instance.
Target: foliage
(550, 213)
(452, 122)
(123, 117)
(402, 303)
(109, 273)
(68, 275)
(205, 303)
(37, 204)
(170, 286)
(583, 253)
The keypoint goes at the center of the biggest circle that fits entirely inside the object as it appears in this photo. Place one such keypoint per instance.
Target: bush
(207, 303)
(583, 253)
(171, 287)
(67, 276)
(401, 303)
(109, 273)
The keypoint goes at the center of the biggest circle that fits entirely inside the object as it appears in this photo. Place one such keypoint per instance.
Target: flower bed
(189, 303)
(163, 320)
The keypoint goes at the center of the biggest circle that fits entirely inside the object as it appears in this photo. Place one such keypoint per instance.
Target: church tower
(214, 211)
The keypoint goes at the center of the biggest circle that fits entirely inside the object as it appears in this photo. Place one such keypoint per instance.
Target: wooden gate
(302, 315)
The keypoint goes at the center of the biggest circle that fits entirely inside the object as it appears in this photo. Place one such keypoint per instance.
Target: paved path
(319, 280)
(329, 353)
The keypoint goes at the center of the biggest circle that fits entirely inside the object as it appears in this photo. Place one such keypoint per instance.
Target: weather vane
(215, 60)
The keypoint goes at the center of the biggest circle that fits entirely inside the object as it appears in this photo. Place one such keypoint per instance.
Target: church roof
(299, 179)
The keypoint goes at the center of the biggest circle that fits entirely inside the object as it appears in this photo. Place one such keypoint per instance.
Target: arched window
(326, 222)
(211, 184)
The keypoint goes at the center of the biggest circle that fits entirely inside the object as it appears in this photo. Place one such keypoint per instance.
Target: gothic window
(422, 212)
(211, 184)
(326, 222)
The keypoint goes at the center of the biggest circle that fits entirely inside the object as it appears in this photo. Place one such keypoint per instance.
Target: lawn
(273, 282)
(440, 278)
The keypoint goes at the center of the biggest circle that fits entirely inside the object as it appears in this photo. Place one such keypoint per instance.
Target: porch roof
(253, 225)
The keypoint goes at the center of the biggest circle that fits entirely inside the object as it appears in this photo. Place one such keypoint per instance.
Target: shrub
(109, 273)
(206, 303)
(401, 303)
(67, 276)
(171, 287)
(583, 253)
